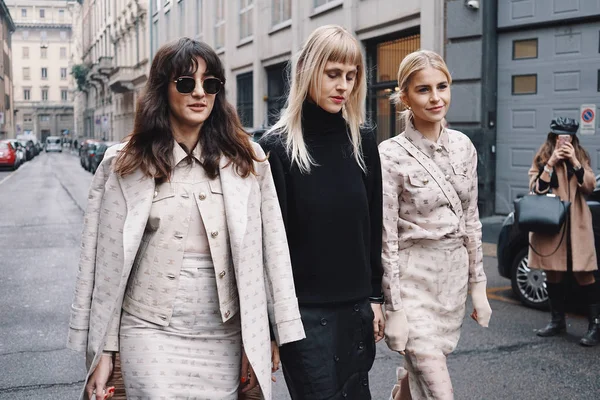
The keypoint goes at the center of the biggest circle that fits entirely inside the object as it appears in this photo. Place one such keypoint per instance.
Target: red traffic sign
(587, 115)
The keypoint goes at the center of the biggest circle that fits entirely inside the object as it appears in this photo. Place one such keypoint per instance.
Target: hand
(482, 311)
(248, 377)
(96, 387)
(555, 157)
(568, 152)
(275, 360)
(378, 322)
(396, 330)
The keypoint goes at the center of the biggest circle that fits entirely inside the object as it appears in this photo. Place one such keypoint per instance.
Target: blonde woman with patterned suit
(184, 252)
(432, 251)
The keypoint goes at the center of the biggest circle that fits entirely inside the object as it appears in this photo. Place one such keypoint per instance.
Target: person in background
(562, 166)
(183, 249)
(432, 249)
(328, 179)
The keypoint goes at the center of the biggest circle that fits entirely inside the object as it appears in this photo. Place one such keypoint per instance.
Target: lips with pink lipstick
(436, 109)
(338, 99)
(197, 107)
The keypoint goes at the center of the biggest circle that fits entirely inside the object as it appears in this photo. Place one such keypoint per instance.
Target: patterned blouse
(414, 206)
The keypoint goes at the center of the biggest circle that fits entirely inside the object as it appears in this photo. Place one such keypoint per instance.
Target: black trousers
(334, 360)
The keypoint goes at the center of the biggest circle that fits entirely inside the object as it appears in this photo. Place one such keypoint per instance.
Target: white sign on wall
(587, 119)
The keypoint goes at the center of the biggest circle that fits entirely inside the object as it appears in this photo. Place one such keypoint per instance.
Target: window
(43, 35)
(44, 94)
(524, 84)
(63, 35)
(27, 118)
(198, 17)
(181, 15)
(63, 53)
(168, 24)
(26, 94)
(44, 117)
(63, 74)
(25, 52)
(246, 8)
(26, 75)
(44, 73)
(42, 13)
(43, 52)
(7, 101)
(154, 36)
(220, 24)
(277, 88)
(24, 12)
(281, 11)
(25, 35)
(245, 93)
(524, 49)
(319, 3)
(61, 15)
(64, 94)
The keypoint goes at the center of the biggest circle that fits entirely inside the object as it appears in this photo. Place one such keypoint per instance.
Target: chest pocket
(460, 169)
(159, 206)
(215, 186)
(419, 180)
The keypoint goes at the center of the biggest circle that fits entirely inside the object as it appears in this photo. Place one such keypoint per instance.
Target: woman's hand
(275, 360)
(96, 387)
(396, 330)
(482, 311)
(248, 377)
(555, 157)
(378, 322)
(568, 152)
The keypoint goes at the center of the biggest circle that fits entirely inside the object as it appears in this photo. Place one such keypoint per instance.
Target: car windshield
(3, 146)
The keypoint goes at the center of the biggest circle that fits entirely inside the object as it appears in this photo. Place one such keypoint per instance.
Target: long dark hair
(150, 145)
(545, 152)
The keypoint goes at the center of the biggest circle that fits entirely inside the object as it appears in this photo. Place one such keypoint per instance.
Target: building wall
(273, 41)
(7, 127)
(42, 48)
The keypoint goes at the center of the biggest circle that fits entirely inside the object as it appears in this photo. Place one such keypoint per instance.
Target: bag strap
(436, 173)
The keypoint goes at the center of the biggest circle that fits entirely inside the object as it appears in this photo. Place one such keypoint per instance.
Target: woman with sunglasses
(183, 247)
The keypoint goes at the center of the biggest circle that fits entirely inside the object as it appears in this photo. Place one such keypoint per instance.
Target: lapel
(138, 190)
(235, 195)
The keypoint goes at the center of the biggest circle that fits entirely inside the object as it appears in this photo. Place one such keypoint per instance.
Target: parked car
(30, 150)
(87, 152)
(99, 155)
(53, 143)
(20, 149)
(529, 285)
(8, 155)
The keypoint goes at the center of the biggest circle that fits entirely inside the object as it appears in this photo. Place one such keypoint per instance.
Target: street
(41, 207)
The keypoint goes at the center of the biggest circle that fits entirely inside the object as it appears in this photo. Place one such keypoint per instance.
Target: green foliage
(79, 72)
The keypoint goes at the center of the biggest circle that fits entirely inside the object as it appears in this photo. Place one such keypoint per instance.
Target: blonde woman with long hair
(432, 251)
(328, 180)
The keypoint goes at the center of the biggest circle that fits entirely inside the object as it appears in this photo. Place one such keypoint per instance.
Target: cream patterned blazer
(114, 222)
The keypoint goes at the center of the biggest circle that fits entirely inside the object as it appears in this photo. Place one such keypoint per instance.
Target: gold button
(214, 234)
(425, 181)
(447, 177)
(202, 196)
(222, 274)
(155, 193)
(227, 314)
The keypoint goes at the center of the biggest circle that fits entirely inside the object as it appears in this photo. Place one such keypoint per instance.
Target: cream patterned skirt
(433, 285)
(196, 357)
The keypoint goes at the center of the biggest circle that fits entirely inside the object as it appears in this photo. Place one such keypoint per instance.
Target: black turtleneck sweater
(333, 215)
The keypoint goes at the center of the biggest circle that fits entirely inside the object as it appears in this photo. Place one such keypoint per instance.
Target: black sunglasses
(187, 84)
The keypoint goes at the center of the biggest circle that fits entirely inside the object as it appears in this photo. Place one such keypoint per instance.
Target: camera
(472, 4)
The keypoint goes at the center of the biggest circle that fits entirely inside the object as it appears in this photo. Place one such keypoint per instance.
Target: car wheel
(529, 284)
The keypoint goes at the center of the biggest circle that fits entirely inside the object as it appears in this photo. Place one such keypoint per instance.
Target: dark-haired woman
(563, 166)
(183, 247)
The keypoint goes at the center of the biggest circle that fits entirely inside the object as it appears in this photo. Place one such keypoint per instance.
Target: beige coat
(582, 235)
(116, 215)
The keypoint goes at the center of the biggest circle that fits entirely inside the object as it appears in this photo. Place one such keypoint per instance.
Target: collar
(179, 153)
(425, 145)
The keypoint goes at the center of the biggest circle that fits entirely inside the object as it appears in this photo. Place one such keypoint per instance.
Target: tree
(79, 72)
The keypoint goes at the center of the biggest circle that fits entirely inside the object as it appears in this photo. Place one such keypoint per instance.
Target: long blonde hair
(410, 65)
(326, 43)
